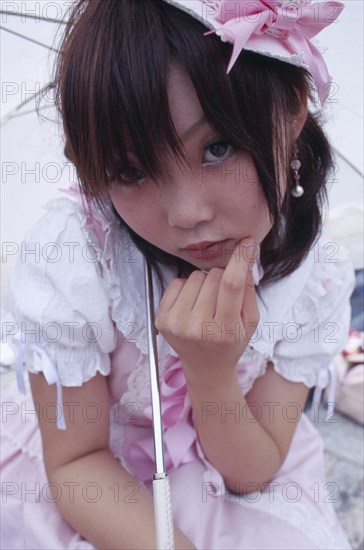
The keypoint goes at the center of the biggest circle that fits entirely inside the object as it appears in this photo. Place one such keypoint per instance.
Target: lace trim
(138, 385)
(117, 442)
(202, 16)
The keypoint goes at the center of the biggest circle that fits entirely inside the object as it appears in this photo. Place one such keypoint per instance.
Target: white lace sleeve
(59, 300)
(316, 327)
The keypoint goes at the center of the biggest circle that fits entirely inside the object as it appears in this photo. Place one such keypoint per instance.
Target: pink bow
(252, 24)
(179, 435)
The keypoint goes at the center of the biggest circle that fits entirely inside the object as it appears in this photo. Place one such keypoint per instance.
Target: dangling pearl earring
(297, 190)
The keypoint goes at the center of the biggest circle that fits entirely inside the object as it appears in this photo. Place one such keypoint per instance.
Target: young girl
(188, 124)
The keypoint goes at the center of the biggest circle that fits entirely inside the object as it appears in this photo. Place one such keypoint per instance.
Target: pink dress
(83, 298)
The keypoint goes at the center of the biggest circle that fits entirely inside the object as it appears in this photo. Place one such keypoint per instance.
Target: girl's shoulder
(305, 317)
(74, 239)
(59, 252)
(324, 278)
(71, 216)
(329, 283)
(59, 295)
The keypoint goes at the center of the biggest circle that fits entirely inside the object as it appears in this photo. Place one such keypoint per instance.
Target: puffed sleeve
(316, 326)
(59, 300)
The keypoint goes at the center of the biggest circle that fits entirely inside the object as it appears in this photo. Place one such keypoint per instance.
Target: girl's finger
(189, 293)
(232, 286)
(207, 298)
(171, 294)
(250, 312)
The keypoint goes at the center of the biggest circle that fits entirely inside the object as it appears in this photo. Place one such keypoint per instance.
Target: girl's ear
(300, 119)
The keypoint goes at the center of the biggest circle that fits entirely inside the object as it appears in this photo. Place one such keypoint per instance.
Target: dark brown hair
(111, 87)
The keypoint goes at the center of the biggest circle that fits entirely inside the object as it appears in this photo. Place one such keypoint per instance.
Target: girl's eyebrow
(186, 135)
(193, 129)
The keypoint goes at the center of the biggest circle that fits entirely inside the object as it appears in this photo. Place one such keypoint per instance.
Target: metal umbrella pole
(161, 487)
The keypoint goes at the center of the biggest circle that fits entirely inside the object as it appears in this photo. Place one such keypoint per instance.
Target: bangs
(113, 87)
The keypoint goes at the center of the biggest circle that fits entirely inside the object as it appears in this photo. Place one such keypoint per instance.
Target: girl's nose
(188, 204)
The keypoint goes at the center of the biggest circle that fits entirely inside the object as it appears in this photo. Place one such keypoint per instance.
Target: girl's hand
(209, 318)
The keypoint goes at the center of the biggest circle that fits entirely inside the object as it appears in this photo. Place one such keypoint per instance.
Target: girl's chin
(205, 264)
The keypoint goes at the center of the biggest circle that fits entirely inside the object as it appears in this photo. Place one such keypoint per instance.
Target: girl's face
(203, 210)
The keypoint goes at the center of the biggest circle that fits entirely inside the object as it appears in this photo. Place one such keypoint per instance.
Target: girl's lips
(205, 250)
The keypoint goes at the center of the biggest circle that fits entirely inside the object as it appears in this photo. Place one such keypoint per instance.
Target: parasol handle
(163, 512)
(161, 488)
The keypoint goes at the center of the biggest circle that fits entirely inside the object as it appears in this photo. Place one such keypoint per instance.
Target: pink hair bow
(277, 29)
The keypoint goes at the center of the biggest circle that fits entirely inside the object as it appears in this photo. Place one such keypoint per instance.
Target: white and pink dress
(79, 309)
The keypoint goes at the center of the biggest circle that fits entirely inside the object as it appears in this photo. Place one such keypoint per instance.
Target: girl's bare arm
(208, 319)
(94, 493)
(247, 437)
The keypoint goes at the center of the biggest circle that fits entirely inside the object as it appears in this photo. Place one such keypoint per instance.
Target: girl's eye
(131, 176)
(217, 151)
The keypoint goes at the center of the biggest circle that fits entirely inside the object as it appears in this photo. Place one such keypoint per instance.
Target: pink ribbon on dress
(181, 444)
(179, 434)
(249, 23)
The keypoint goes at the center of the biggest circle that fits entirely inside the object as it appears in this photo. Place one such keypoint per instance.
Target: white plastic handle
(163, 514)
